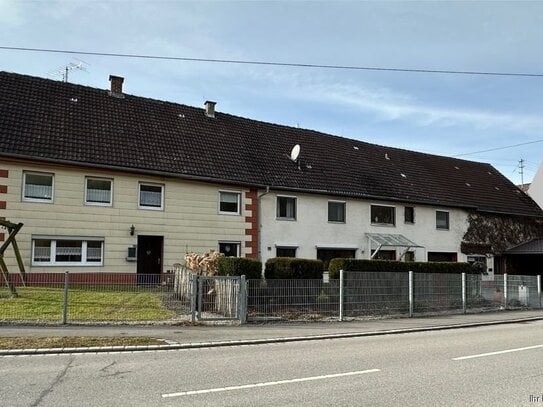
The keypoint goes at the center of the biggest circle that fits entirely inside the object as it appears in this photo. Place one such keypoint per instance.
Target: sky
(446, 114)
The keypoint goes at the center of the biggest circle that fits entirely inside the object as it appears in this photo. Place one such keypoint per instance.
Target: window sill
(287, 219)
(98, 204)
(67, 264)
(36, 200)
(150, 208)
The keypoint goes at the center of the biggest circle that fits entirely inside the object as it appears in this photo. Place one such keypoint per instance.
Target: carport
(526, 258)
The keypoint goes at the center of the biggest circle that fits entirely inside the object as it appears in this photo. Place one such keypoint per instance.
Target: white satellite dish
(295, 152)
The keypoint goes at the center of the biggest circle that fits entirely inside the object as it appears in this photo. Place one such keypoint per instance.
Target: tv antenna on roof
(66, 69)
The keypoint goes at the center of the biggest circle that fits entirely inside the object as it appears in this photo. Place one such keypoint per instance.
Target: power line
(269, 63)
(498, 148)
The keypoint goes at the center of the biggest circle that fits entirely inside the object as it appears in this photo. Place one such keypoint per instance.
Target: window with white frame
(37, 187)
(67, 251)
(286, 207)
(442, 220)
(151, 196)
(229, 249)
(336, 211)
(98, 191)
(229, 203)
(383, 215)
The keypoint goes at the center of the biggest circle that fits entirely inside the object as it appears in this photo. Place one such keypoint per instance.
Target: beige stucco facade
(189, 220)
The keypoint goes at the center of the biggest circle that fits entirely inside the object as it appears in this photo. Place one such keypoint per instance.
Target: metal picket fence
(176, 296)
(292, 299)
(93, 297)
(377, 294)
(184, 296)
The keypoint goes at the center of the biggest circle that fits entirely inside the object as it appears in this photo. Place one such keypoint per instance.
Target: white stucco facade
(536, 187)
(311, 230)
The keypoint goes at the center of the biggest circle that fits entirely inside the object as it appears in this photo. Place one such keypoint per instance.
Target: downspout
(259, 222)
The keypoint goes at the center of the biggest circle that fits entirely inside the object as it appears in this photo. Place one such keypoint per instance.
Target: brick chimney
(210, 108)
(116, 86)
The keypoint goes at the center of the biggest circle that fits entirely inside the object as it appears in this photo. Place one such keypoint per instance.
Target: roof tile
(50, 120)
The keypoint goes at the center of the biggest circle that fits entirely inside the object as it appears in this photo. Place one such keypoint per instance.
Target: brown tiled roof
(42, 119)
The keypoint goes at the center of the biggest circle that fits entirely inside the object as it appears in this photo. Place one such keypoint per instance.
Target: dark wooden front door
(149, 259)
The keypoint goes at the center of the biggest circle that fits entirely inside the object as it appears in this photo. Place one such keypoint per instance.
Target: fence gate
(219, 298)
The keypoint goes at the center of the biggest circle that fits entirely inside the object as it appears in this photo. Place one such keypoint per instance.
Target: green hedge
(398, 266)
(293, 268)
(240, 266)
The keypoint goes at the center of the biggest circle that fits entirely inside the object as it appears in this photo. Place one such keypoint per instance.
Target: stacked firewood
(206, 264)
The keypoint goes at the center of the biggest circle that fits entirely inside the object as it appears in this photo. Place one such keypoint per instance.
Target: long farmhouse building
(105, 181)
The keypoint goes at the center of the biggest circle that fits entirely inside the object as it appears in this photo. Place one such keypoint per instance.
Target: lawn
(46, 304)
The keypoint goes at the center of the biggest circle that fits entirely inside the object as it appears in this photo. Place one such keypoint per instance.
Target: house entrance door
(149, 265)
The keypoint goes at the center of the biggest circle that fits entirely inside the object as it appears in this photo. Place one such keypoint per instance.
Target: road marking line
(265, 384)
(482, 355)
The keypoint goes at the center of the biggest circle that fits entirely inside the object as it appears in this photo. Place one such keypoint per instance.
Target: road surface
(487, 366)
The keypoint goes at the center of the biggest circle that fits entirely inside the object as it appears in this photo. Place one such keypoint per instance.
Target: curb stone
(241, 342)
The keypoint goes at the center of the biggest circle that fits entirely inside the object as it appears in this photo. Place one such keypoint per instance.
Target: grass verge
(7, 342)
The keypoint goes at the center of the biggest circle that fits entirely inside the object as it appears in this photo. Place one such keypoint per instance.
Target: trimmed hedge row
(293, 268)
(398, 266)
(239, 266)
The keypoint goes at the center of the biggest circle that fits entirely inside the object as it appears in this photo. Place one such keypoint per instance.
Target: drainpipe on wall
(259, 223)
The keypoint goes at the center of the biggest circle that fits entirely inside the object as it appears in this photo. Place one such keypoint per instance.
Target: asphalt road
(486, 366)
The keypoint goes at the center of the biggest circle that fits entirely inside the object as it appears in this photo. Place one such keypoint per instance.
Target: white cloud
(386, 104)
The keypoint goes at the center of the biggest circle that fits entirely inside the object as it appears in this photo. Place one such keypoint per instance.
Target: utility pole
(521, 171)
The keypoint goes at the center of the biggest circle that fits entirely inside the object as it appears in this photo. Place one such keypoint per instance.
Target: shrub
(398, 266)
(293, 268)
(239, 266)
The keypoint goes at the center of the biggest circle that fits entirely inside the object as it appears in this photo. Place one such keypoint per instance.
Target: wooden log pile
(206, 264)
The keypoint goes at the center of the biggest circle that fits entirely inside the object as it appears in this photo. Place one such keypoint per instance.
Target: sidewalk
(184, 337)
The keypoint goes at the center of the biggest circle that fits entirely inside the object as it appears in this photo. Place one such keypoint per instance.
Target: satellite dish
(295, 152)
